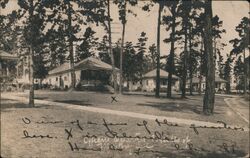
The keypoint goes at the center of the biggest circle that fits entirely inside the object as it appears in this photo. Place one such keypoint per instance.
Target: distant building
(7, 71)
(23, 76)
(88, 72)
(5, 67)
(148, 83)
(220, 84)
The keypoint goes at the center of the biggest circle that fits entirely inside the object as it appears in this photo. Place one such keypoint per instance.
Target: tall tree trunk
(122, 47)
(191, 84)
(31, 63)
(171, 56)
(215, 55)
(111, 50)
(190, 64)
(184, 75)
(71, 51)
(31, 72)
(128, 84)
(209, 98)
(157, 89)
(228, 86)
(200, 75)
(245, 72)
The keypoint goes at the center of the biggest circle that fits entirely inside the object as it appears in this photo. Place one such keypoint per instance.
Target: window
(56, 78)
(147, 82)
(164, 82)
(65, 78)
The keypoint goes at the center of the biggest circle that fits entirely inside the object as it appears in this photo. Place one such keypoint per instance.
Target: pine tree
(241, 44)
(87, 46)
(141, 50)
(209, 97)
(122, 6)
(171, 23)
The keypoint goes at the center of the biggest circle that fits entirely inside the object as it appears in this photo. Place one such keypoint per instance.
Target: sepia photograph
(124, 78)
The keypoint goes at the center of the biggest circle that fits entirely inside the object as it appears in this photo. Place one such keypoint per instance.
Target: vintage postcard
(124, 78)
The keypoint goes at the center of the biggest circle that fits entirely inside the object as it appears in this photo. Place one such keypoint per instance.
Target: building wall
(149, 85)
(133, 86)
(78, 76)
(54, 80)
(218, 85)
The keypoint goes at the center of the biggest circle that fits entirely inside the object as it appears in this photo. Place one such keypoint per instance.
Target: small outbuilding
(149, 81)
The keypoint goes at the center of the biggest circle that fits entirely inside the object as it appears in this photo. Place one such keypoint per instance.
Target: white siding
(148, 85)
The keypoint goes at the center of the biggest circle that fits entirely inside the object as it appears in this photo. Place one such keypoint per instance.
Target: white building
(148, 83)
(4, 66)
(88, 72)
(7, 72)
(220, 84)
(23, 76)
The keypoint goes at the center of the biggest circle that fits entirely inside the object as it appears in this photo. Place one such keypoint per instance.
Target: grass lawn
(190, 108)
(93, 139)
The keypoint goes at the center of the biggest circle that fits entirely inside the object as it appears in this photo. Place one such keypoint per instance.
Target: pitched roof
(86, 64)
(163, 74)
(5, 55)
(217, 79)
(92, 64)
(60, 69)
(196, 80)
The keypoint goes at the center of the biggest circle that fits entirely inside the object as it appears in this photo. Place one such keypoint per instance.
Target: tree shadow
(176, 107)
(7, 104)
(174, 97)
(41, 98)
(76, 102)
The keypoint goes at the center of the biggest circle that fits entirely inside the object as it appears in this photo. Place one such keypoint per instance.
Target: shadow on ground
(76, 102)
(176, 107)
(6, 104)
(9, 104)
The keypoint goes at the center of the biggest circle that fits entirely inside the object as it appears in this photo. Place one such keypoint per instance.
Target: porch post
(7, 71)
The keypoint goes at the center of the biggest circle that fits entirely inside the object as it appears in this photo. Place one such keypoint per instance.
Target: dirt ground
(57, 132)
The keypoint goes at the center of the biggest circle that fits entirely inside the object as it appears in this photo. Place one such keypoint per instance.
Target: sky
(230, 12)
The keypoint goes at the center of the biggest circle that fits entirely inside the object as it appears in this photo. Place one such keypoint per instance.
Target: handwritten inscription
(27, 135)
(225, 126)
(116, 137)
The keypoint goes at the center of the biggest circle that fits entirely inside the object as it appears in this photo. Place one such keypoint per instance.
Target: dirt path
(240, 107)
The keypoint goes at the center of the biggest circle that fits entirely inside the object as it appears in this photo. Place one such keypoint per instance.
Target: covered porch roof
(197, 80)
(163, 74)
(93, 64)
(86, 64)
(6, 56)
